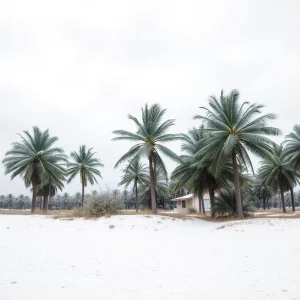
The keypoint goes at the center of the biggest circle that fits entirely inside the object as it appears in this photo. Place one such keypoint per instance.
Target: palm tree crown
(292, 147)
(85, 164)
(35, 160)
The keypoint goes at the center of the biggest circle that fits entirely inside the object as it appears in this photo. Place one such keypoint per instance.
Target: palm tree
(225, 205)
(136, 173)
(278, 174)
(85, 164)
(235, 130)
(151, 132)
(262, 192)
(34, 159)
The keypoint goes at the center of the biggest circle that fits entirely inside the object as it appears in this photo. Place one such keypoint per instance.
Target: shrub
(192, 210)
(225, 205)
(100, 205)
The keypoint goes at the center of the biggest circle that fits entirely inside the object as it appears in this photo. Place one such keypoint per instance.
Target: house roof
(186, 197)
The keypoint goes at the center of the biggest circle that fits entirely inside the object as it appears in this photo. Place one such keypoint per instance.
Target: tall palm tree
(34, 159)
(277, 173)
(136, 173)
(85, 164)
(236, 129)
(150, 133)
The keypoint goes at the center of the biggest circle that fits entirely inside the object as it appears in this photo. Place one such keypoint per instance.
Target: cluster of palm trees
(216, 155)
(215, 158)
(45, 168)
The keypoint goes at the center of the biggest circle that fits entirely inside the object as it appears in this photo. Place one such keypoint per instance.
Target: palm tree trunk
(152, 185)
(203, 207)
(238, 199)
(200, 198)
(211, 192)
(34, 194)
(82, 195)
(282, 200)
(136, 196)
(45, 203)
(264, 203)
(293, 199)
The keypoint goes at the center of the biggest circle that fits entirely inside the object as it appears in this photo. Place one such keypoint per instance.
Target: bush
(225, 205)
(192, 210)
(100, 205)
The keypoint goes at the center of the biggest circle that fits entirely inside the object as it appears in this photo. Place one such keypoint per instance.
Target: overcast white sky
(80, 67)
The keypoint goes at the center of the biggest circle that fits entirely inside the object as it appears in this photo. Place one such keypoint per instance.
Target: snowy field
(148, 258)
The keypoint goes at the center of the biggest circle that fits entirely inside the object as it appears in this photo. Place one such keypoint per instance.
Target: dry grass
(70, 214)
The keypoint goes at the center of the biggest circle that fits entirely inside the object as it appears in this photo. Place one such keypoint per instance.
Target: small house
(190, 202)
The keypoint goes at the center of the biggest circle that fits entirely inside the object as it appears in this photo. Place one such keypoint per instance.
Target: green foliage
(225, 204)
(37, 161)
(85, 164)
(276, 171)
(134, 172)
(292, 147)
(150, 133)
(35, 158)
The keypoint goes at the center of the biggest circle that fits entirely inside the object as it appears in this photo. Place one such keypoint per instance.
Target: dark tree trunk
(282, 200)
(267, 204)
(238, 198)
(152, 185)
(292, 198)
(203, 207)
(136, 196)
(200, 198)
(211, 192)
(264, 203)
(34, 194)
(45, 203)
(82, 196)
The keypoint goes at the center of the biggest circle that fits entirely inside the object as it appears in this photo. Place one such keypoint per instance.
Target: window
(183, 204)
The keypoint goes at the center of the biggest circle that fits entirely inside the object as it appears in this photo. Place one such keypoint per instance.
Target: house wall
(192, 203)
(188, 204)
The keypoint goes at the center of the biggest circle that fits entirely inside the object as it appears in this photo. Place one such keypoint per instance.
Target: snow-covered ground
(148, 258)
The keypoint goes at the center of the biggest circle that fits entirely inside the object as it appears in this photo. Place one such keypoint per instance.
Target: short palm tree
(225, 205)
(135, 173)
(262, 192)
(85, 164)
(235, 130)
(35, 159)
(150, 133)
(277, 173)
